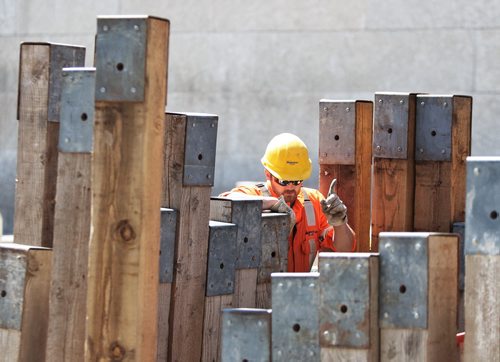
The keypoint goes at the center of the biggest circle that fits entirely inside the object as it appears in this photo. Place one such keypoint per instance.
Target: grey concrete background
(263, 65)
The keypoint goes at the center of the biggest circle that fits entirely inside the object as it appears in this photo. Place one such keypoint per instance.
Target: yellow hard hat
(287, 158)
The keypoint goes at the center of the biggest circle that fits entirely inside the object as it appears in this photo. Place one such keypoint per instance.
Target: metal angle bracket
(390, 125)
(403, 288)
(221, 258)
(337, 136)
(246, 214)
(199, 149)
(459, 228)
(77, 110)
(120, 58)
(482, 207)
(295, 319)
(345, 300)
(434, 117)
(168, 232)
(246, 334)
(274, 245)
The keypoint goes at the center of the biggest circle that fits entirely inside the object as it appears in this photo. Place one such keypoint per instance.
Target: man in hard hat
(318, 224)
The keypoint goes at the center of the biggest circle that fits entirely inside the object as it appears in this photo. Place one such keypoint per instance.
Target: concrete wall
(263, 65)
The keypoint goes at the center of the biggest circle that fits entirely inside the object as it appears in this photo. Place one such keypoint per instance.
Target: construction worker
(317, 224)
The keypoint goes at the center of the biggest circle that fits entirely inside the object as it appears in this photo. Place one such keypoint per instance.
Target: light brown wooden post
(131, 69)
(68, 290)
(393, 164)
(221, 267)
(24, 301)
(40, 73)
(246, 214)
(418, 296)
(189, 170)
(275, 228)
(442, 143)
(482, 260)
(345, 154)
(348, 306)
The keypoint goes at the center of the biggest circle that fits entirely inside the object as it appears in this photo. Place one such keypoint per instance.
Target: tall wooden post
(348, 307)
(345, 154)
(40, 74)
(189, 170)
(418, 296)
(24, 301)
(442, 142)
(246, 214)
(68, 290)
(131, 73)
(393, 163)
(482, 260)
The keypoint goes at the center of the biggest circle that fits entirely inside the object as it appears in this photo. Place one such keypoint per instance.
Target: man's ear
(268, 174)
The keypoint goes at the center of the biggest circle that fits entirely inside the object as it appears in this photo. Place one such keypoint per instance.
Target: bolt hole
(244, 360)
(273, 254)
(336, 137)
(84, 117)
(433, 133)
(343, 308)
(389, 130)
(200, 157)
(245, 240)
(3, 293)
(296, 327)
(119, 67)
(493, 215)
(402, 289)
(221, 265)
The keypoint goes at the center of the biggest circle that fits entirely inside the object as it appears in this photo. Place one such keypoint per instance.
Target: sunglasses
(286, 182)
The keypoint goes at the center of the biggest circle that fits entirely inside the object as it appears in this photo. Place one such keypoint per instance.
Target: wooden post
(393, 164)
(68, 290)
(246, 335)
(189, 169)
(295, 317)
(275, 228)
(131, 69)
(221, 265)
(246, 214)
(418, 296)
(24, 301)
(348, 307)
(345, 153)
(40, 73)
(442, 142)
(482, 260)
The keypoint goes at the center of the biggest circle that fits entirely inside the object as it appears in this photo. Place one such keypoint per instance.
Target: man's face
(289, 192)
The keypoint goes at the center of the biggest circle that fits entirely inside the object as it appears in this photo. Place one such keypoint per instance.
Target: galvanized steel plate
(247, 215)
(13, 265)
(275, 228)
(434, 117)
(459, 228)
(168, 231)
(337, 132)
(77, 110)
(120, 53)
(390, 125)
(295, 319)
(344, 300)
(246, 335)
(200, 146)
(61, 56)
(403, 281)
(482, 207)
(221, 258)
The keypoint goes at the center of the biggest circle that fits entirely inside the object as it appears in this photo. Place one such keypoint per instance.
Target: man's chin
(290, 197)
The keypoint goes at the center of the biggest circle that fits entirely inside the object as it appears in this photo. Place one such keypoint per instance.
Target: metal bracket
(390, 126)
(120, 58)
(337, 132)
(295, 319)
(459, 228)
(168, 231)
(434, 116)
(61, 56)
(345, 314)
(403, 288)
(199, 149)
(221, 258)
(482, 208)
(76, 128)
(246, 334)
(274, 245)
(246, 214)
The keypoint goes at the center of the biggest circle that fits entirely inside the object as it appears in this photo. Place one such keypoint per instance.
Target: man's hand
(281, 206)
(333, 207)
